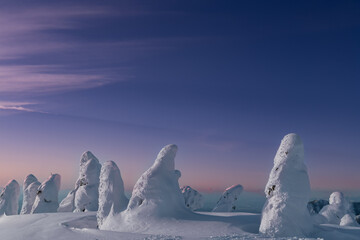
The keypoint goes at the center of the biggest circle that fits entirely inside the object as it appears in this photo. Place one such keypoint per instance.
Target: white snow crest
(226, 203)
(9, 198)
(111, 192)
(46, 200)
(30, 188)
(285, 213)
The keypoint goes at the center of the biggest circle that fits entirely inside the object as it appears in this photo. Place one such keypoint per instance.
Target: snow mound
(155, 195)
(30, 188)
(85, 195)
(111, 191)
(46, 200)
(348, 220)
(285, 212)
(226, 203)
(9, 198)
(193, 199)
(337, 208)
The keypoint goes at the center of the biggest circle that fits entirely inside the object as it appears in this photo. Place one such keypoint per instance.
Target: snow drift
(85, 195)
(30, 188)
(111, 192)
(285, 212)
(155, 195)
(46, 200)
(193, 199)
(9, 198)
(226, 203)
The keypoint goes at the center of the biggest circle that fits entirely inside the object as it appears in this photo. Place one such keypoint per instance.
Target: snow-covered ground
(206, 225)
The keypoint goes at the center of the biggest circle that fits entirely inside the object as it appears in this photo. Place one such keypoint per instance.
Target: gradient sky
(224, 80)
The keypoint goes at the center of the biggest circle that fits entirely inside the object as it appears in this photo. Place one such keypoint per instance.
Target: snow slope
(82, 226)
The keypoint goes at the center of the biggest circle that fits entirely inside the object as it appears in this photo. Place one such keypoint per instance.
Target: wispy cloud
(36, 57)
(48, 78)
(17, 106)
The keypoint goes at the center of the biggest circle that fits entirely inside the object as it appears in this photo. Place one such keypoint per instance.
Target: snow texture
(315, 206)
(337, 208)
(226, 203)
(30, 188)
(46, 200)
(155, 195)
(193, 199)
(285, 212)
(9, 198)
(111, 192)
(86, 193)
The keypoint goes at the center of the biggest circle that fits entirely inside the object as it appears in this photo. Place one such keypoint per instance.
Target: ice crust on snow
(9, 198)
(285, 212)
(111, 192)
(85, 195)
(193, 199)
(30, 188)
(46, 200)
(337, 208)
(155, 195)
(226, 203)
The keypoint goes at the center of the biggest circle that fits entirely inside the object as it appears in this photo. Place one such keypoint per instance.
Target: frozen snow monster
(226, 203)
(156, 195)
(47, 200)
(9, 198)
(30, 188)
(193, 199)
(111, 192)
(85, 196)
(285, 212)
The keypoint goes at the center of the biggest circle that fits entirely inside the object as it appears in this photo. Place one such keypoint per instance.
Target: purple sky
(225, 81)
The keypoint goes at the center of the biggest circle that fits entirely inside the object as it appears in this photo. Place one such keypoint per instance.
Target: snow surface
(219, 226)
(30, 188)
(86, 193)
(227, 200)
(9, 198)
(111, 191)
(285, 213)
(46, 200)
(193, 199)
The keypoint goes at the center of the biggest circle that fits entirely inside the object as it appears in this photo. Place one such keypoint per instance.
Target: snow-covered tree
(85, 195)
(226, 203)
(285, 212)
(9, 198)
(338, 207)
(47, 200)
(30, 188)
(111, 192)
(193, 199)
(155, 195)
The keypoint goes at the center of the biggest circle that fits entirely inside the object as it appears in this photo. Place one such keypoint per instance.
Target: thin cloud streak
(17, 106)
